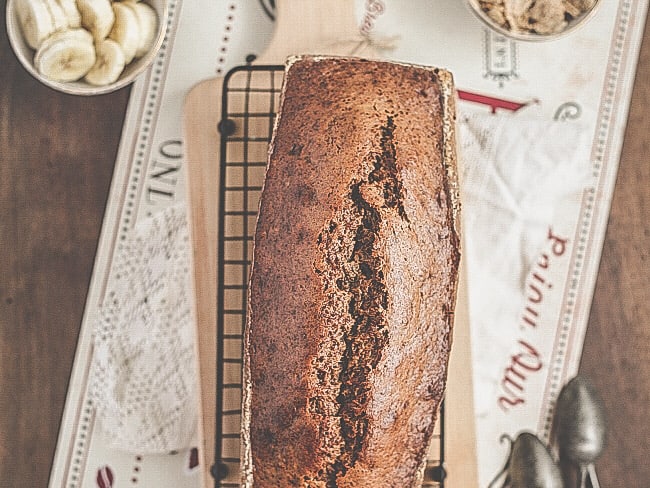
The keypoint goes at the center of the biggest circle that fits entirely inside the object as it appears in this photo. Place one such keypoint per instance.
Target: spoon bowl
(580, 422)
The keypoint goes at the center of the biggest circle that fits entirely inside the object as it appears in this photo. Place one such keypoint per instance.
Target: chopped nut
(535, 16)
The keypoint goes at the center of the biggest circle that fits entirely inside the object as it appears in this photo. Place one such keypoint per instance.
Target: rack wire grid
(250, 99)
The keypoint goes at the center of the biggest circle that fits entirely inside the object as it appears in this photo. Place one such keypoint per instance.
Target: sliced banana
(97, 16)
(109, 64)
(126, 30)
(71, 11)
(148, 22)
(35, 21)
(66, 55)
(59, 17)
(91, 39)
(78, 34)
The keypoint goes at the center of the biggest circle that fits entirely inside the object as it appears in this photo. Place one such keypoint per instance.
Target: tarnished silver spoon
(580, 428)
(529, 465)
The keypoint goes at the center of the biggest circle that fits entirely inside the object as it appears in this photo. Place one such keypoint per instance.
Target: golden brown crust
(354, 277)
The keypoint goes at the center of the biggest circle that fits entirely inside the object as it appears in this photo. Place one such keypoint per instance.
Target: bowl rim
(73, 88)
(529, 36)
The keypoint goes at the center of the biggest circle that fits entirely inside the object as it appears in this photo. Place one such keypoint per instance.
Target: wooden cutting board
(302, 27)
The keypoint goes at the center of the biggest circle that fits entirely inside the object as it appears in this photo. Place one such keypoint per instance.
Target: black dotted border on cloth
(81, 445)
(227, 32)
(135, 471)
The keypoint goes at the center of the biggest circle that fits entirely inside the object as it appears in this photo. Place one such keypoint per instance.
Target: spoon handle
(593, 478)
(582, 481)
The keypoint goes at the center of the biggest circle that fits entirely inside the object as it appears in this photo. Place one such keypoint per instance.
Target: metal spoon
(580, 427)
(529, 465)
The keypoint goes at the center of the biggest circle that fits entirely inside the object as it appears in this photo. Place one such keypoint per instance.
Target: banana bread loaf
(354, 277)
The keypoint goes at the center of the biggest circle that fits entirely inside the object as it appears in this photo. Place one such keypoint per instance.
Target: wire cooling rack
(250, 100)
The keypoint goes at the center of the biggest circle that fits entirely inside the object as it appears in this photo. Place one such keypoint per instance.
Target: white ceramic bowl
(25, 55)
(475, 7)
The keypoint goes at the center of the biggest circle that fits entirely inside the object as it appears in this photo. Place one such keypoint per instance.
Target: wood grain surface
(57, 154)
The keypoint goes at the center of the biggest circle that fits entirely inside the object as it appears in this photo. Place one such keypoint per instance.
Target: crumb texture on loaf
(354, 277)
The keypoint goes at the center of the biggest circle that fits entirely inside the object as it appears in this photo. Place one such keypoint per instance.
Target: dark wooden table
(57, 154)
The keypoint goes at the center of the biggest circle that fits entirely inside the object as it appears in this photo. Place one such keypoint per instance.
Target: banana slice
(71, 11)
(66, 55)
(97, 16)
(57, 14)
(126, 30)
(148, 22)
(35, 21)
(109, 64)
